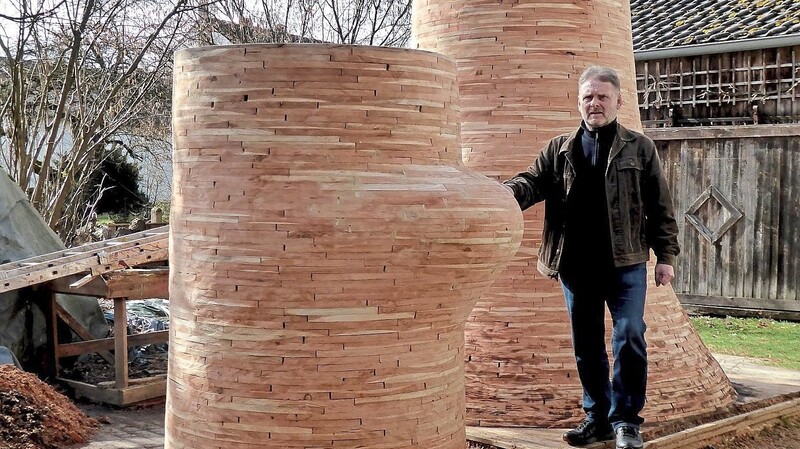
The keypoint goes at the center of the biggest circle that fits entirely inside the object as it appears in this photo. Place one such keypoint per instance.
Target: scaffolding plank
(93, 258)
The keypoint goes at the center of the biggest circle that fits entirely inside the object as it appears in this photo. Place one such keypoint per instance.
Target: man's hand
(664, 274)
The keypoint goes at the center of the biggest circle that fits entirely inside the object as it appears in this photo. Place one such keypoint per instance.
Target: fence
(737, 199)
(746, 87)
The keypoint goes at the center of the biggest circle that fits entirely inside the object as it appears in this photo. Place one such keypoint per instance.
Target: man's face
(598, 102)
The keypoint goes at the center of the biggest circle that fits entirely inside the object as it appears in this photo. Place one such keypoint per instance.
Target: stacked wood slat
(327, 246)
(519, 63)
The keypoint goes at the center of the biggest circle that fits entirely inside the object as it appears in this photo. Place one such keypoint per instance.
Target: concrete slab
(754, 379)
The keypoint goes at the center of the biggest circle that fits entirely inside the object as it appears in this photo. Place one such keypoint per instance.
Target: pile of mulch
(35, 416)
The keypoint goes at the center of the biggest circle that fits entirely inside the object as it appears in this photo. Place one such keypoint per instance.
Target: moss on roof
(685, 22)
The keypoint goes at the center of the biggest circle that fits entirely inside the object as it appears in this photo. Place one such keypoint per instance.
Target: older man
(606, 204)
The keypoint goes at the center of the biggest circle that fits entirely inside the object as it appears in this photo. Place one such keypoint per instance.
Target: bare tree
(79, 78)
(365, 22)
(82, 78)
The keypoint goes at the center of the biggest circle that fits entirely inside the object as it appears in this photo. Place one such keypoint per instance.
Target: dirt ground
(785, 435)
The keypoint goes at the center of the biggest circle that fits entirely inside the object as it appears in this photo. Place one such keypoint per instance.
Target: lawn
(776, 342)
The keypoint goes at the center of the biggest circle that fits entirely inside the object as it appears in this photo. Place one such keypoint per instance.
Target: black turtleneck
(588, 238)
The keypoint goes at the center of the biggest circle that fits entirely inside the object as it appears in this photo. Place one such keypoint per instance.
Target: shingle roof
(665, 24)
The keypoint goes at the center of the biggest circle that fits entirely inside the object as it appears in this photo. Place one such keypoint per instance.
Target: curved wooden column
(327, 246)
(518, 65)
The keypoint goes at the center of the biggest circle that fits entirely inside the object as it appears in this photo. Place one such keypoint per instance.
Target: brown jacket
(641, 215)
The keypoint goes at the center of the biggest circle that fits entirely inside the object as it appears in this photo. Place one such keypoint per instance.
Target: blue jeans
(623, 290)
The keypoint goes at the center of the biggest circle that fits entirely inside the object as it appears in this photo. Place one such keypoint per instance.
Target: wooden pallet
(92, 259)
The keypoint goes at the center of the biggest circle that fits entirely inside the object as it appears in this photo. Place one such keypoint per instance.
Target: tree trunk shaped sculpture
(518, 65)
(327, 246)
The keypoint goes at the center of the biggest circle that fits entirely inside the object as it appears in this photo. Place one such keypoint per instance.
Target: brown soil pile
(35, 416)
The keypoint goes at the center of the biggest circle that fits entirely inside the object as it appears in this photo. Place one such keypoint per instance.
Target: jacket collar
(623, 136)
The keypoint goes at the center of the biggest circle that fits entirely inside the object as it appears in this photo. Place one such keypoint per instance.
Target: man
(606, 203)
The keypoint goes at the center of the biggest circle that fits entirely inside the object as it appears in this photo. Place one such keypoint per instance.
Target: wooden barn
(719, 91)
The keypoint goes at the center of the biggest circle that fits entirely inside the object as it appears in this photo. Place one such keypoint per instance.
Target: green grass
(775, 342)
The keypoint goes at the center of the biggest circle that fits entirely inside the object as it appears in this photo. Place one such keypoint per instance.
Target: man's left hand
(664, 274)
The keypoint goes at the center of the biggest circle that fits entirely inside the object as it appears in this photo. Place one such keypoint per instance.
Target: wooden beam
(738, 302)
(723, 132)
(694, 309)
(138, 284)
(84, 347)
(121, 342)
(80, 330)
(134, 283)
(95, 288)
(51, 330)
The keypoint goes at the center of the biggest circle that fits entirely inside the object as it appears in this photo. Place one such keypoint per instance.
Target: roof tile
(684, 22)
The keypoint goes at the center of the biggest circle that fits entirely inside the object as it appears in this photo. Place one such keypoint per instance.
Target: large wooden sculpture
(327, 246)
(518, 64)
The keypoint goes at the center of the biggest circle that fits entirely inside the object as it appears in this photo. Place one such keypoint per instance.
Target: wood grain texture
(327, 246)
(518, 65)
(753, 264)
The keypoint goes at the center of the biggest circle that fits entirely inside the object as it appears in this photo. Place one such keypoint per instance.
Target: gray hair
(602, 74)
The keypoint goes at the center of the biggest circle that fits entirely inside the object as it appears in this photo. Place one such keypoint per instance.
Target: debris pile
(35, 416)
(148, 315)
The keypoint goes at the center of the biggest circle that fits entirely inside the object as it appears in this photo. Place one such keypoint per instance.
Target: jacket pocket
(629, 172)
(627, 206)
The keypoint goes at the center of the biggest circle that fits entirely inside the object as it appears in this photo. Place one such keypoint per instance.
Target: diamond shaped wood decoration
(713, 193)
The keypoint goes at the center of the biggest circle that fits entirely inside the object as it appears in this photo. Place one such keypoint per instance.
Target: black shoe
(628, 437)
(589, 431)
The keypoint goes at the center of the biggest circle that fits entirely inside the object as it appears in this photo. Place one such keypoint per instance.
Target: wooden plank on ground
(525, 438)
(699, 437)
(694, 438)
(139, 390)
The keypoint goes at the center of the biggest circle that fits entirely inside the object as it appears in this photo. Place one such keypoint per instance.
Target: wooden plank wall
(721, 88)
(755, 264)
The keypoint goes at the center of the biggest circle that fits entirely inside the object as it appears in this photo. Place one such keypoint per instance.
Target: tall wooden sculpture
(518, 66)
(327, 246)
